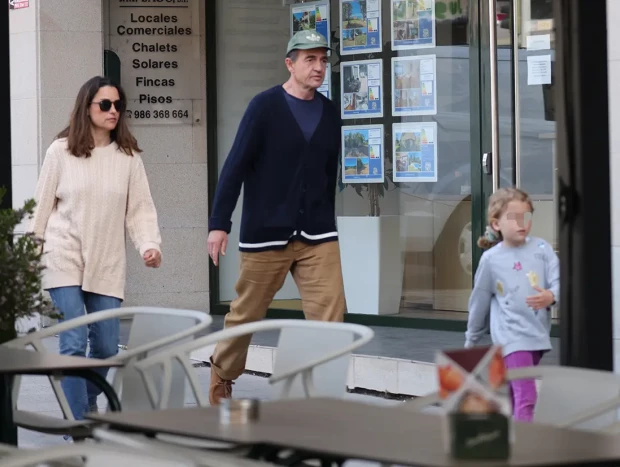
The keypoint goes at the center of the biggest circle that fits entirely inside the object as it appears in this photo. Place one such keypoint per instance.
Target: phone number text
(158, 114)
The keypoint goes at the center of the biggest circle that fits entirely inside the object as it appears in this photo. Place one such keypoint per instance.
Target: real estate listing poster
(414, 85)
(311, 16)
(362, 154)
(360, 26)
(413, 24)
(326, 87)
(362, 89)
(414, 146)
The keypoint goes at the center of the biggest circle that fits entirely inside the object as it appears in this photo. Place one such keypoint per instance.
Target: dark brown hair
(78, 133)
(498, 202)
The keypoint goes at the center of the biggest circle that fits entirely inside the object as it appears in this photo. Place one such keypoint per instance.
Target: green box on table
(474, 398)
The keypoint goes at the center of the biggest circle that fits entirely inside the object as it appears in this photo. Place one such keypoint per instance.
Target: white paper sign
(539, 70)
(539, 42)
(159, 51)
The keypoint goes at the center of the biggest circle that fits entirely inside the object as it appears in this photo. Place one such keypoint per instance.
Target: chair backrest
(94, 455)
(146, 328)
(299, 345)
(152, 330)
(570, 397)
(300, 353)
(203, 457)
(580, 398)
(134, 459)
(6, 450)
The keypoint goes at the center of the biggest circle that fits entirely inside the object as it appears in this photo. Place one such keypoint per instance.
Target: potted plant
(21, 295)
(371, 247)
(372, 253)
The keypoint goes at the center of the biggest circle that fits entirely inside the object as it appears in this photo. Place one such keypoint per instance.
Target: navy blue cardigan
(289, 183)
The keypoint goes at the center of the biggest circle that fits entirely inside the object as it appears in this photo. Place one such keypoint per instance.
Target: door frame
(480, 100)
(481, 136)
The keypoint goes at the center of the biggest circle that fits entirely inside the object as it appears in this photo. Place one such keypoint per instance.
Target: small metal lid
(238, 411)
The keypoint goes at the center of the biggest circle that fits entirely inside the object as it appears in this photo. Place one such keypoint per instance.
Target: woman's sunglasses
(106, 104)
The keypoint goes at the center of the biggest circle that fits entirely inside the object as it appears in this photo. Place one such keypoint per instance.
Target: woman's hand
(152, 258)
(543, 299)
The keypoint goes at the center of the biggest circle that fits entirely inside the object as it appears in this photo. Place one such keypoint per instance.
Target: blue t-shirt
(307, 113)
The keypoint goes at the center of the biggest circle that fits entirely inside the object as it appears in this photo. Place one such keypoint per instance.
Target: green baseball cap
(306, 40)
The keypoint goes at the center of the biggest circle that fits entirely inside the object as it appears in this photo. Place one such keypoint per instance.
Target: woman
(93, 184)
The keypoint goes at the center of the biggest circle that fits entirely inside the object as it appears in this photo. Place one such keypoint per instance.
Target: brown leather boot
(219, 388)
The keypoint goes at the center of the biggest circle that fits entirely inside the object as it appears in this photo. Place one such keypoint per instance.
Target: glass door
(518, 116)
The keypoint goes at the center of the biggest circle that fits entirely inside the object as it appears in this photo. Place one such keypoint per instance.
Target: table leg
(301, 459)
(262, 452)
(272, 454)
(8, 430)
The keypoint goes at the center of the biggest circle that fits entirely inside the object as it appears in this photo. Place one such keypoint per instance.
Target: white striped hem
(285, 242)
(319, 236)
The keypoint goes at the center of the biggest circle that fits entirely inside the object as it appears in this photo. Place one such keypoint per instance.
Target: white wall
(613, 53)
(25, 154)
(56, 45)
(175, 157)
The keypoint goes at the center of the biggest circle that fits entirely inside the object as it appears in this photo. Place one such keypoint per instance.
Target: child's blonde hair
(498, 202)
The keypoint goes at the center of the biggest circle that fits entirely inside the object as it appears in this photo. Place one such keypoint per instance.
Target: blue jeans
(103, 336)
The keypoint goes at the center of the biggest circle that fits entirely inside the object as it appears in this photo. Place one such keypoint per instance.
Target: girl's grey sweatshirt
(506, 276)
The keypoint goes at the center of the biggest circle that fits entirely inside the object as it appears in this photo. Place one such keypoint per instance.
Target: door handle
(487, 164)
(494, 94)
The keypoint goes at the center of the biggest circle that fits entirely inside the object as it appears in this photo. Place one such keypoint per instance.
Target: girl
(517, 281)
(93, 184)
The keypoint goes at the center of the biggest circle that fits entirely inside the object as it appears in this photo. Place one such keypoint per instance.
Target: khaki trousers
(318, 275)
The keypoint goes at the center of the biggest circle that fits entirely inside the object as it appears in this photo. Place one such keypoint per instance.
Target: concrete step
(396, 361)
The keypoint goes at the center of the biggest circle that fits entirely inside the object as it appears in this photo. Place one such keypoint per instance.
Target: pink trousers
(523, 392)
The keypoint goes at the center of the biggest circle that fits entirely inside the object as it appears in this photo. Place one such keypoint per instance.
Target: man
(286, 156)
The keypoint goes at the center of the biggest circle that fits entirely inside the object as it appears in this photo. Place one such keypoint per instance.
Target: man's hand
(217, 243)
(543, 299)
(152, 258)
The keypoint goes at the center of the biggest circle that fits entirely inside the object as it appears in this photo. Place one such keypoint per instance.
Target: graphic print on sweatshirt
(511, 288)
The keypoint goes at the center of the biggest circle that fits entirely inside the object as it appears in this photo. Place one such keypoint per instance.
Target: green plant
(374, 190)
(21, 295)
(347, 12)
(442, 7)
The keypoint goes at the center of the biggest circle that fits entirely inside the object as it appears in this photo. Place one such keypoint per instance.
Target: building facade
(55, 47)
(442, 101)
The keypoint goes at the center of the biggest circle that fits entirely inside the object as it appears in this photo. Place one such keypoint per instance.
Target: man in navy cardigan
(286, 156)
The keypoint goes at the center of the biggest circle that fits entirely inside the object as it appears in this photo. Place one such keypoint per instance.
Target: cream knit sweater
(83, 205)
